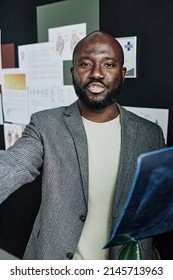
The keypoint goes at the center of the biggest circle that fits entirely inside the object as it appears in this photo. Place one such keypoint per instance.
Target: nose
(96, 72)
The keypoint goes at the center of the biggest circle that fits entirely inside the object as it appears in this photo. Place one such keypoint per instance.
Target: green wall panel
(66, 13)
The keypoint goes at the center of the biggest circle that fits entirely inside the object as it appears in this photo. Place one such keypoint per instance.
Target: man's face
(98, 73)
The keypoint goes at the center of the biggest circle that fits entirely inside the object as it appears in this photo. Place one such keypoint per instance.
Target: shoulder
(49, 113)
(145, 129)
(126, 114)
(54, 115)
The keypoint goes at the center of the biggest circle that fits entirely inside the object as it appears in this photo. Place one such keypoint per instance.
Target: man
(87, 153)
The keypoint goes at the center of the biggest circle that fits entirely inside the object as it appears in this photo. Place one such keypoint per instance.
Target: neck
(99, 115)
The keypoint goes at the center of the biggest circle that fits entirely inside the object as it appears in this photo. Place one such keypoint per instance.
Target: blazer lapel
(74, 123)
(128, 135)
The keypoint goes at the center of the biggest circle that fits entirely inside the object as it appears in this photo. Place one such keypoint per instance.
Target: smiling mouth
(96, 88)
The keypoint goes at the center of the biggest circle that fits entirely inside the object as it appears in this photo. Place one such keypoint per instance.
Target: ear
(124, 72)
(72, 70)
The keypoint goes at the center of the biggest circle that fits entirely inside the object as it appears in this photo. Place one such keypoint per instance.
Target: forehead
(98, 44)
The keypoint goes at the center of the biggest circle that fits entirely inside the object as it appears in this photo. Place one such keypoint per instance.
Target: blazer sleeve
(20, 164)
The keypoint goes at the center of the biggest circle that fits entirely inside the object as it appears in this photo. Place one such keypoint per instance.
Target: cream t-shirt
(104, 140)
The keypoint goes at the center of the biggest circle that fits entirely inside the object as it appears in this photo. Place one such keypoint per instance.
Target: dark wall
(151, 21)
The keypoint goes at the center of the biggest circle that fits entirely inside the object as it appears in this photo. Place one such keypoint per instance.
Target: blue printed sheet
(149, 208)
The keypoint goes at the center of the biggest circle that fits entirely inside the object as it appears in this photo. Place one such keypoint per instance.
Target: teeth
(96, 88)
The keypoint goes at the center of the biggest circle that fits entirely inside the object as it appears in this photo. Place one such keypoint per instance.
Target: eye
(85, 64)
(109, 65)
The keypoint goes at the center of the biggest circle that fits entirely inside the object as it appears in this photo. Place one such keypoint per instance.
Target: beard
(97, 104)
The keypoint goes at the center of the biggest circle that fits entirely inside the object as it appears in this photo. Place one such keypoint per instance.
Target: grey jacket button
(82, 218)
(69, 256)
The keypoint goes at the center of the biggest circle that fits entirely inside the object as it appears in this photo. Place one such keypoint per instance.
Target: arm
(20, 164)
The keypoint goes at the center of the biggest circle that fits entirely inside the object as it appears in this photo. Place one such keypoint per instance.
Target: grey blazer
(55, 140)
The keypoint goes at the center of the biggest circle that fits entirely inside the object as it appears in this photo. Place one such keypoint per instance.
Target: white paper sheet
(129, 45)
(1, 115)
(11, 133)
(14, 96)
(66, 96)
(66, 38)
(44, 75)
